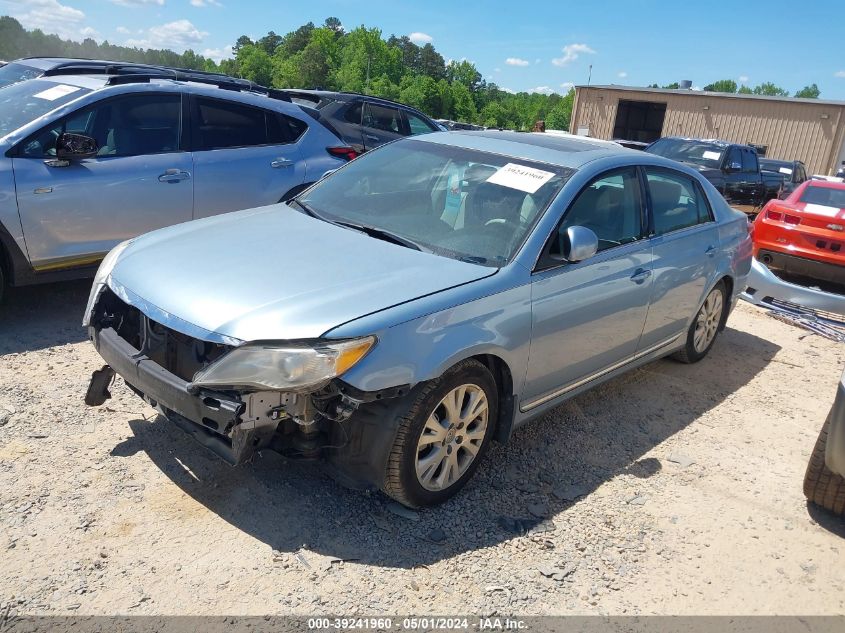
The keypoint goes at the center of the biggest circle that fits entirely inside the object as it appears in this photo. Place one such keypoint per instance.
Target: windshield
(689, 151)
(780, 166)
(824, 196)
(13, 73)
(459, 203)
(26, 101)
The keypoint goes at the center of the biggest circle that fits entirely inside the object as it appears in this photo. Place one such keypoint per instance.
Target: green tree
(243, 40)
(431, 63)
(809, 92)
(270, 42)
(745, 90)
(465, 73)
(771, 90)
(723, 85)
(297, 40)
(463, 107)
(255, 64)
(560, 116)
(420, 91)
(334, 25)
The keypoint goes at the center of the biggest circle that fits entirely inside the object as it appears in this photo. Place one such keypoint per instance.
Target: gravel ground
(675, 489)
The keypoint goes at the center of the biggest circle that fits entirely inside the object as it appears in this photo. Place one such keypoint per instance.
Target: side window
(129, 126)
(221, 124)
(417, 125)
(283, 129)
(735, 159)
(749, 162)
(610, 206)
(354, 113)
(382, 118)
(677, 201)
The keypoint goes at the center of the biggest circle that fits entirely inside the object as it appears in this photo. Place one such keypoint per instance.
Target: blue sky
(540, 45)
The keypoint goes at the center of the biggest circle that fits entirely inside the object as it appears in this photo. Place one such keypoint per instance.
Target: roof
(338, 95)
(555, 150)
(707, 93)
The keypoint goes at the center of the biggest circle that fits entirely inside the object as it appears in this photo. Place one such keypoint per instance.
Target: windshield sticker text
(56, 92)
(711, 155)
(519, 177)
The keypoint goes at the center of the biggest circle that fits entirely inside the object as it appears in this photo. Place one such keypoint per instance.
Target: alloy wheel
(452, 437)
(707, 321)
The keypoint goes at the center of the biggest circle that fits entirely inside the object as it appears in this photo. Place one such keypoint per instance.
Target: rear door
(380, 124)
(684, 245)
(244, 156)
(140, 180)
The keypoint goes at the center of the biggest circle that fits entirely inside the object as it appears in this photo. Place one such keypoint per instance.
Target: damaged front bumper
(212, 418)
(766, 289)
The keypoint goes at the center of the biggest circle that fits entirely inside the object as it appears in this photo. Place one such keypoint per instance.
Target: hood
(275, 274)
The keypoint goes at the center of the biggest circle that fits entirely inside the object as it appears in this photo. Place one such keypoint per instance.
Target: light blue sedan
(420, 302)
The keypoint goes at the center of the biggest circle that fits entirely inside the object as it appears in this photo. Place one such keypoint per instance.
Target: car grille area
(178, 353)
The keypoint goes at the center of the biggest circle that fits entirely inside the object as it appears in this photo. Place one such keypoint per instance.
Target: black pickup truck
(733, 169)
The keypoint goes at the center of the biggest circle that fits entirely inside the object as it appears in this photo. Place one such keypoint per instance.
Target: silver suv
(87, 161)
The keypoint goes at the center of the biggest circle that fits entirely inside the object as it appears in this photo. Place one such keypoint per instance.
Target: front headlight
(285, 367)
(100, 277)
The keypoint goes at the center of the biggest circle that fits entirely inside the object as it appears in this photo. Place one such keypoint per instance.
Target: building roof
(707, 93)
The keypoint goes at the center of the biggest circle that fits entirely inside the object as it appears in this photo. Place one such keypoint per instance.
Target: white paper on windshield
(822, 209)
(520, 177)
(51, 94)
(711, 155)
(785, 170)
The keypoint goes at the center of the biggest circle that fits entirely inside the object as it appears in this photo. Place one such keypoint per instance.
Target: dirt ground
(675, 489)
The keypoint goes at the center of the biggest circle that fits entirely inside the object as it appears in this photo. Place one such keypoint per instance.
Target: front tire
(822, 486)
(705, 326)
(442, 436)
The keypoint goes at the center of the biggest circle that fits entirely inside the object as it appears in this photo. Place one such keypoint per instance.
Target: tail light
(791, 219)
(774, 215)
(346, 153)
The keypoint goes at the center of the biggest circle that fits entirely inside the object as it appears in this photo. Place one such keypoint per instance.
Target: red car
(805, 233)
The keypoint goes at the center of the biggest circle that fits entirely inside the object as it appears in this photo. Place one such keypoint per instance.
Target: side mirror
(75, 146)
(578, 243)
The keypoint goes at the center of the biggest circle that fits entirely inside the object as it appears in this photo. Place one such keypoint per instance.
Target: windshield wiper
(308, 210)
(381, 234)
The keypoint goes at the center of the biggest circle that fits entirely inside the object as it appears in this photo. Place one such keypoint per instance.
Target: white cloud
(567, 85)
(88, 31)
(743, 79)
(508, 90)
(543, 90)
(420, 38)
(218, 53)
(137, 3)
(621, 74)
(516, 61)
(176, 36)
(205, 3)
(571, 52)
(839, 73)
(122, 30)
(51, 16)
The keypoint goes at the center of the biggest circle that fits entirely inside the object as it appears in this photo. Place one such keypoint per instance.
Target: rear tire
(442, 436)
(705, 327)
(822, 486)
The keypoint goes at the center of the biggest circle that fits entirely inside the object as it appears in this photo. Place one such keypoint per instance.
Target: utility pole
(590, 76)
(367, 88)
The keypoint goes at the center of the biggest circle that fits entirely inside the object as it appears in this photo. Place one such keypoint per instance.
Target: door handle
(281, 162)
(43, 190)
(371, 137)
(640, 275)
(173, 175)
(711, 251)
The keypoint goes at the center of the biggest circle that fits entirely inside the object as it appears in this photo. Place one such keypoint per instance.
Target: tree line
(359, 60)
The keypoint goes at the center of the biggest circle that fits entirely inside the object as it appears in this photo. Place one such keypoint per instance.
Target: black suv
(362, 121)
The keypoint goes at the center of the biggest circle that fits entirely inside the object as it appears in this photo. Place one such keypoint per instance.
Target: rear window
(223, 124)
(824, 196)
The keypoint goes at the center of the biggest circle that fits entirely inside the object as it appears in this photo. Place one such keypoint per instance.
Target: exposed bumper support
(803, 266)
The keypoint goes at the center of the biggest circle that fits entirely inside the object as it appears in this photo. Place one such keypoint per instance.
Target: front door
(743, 185)
(140, 180)
(588, 316)
(244, 156)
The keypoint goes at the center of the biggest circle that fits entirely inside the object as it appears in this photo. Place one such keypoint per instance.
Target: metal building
(810, 130)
